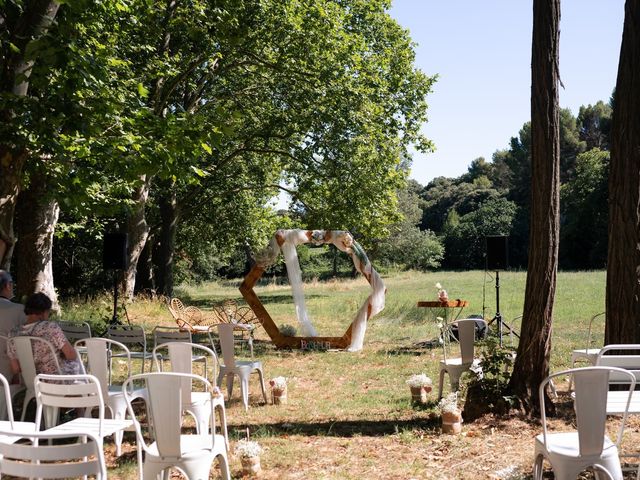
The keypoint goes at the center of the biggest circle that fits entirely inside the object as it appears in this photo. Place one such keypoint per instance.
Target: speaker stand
(498, 316)
(114, 319)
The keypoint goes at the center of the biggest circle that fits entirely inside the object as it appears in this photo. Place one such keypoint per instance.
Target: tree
(534, 350)
(22, 24)
(623, 258)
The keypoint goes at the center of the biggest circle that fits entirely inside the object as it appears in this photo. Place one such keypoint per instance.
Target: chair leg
(230, 377)
(224, 467)
(264, 390)
(244, 389)
(28, 396)
(223, 424)
(538, 467)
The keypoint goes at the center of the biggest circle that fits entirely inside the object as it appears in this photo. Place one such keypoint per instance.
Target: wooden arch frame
(281, 341)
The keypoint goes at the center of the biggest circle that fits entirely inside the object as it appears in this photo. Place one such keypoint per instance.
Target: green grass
(341, 402)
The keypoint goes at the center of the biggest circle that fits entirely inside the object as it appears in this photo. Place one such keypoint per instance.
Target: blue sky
(481, 51)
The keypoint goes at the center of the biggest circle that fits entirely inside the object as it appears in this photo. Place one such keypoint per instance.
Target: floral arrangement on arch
(443, 296)
(419, 381)
(248, 449)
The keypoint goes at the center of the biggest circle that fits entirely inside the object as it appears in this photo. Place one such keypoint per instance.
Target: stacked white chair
(168, 447)
(98, 363)
(180, 356)
(24, 352)
(80, 392)
(10, 424)
(41, 458)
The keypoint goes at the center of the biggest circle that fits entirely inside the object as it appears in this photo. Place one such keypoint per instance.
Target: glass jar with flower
(278, 390)
(443, 296)
(249, 453)
(451, 414)
(420, 386)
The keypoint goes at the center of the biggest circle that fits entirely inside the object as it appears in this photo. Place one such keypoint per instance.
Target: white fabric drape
(287, 241)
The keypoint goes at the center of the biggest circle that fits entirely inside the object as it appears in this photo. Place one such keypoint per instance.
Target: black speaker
(114, 253)
(497, 252)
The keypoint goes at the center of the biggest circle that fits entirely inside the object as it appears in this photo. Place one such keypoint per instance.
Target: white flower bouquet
(278, 383)
(449, 404)
(248, 449)
(443, 296)
(419, 381)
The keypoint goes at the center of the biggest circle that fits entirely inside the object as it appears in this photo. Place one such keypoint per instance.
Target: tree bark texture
(532, 361)
(169, 215)
(145, 278)
(15, 70)
(37, 215)
(138, 231)
(623, 262)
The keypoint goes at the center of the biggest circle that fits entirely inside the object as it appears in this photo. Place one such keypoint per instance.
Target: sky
(481, 52)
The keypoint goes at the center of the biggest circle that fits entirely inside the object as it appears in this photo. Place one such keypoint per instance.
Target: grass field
(349, 415)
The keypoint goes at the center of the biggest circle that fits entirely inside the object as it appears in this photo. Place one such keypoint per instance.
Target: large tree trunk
(169, 215)
(34, 21)
(37, 215)
(623, 263)
(138, 231)
(145, 277)
(532, 361)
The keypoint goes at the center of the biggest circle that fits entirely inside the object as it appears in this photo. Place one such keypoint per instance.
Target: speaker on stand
(114, 257)
(497, 248)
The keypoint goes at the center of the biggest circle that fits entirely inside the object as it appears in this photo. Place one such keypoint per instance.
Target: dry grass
(349, 415)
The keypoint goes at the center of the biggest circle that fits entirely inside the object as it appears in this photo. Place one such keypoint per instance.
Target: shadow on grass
(345, 428)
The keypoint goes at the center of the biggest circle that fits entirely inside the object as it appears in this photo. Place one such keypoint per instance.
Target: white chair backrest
(180, 355)
(591, 388)
(225, 334)
(75, 331)
(24, 352)
(623, 357)
(467, 337)
(99, 351)
(163, 334)
(49, 460)
(164, 407)
(589, 336)
(129, 335)
(68, 391)
(7, 398)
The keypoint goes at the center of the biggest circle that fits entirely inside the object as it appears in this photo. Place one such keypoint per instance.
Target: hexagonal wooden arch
(345, 243)
(283, 341)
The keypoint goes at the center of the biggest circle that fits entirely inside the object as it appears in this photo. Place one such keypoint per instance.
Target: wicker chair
(191, 318)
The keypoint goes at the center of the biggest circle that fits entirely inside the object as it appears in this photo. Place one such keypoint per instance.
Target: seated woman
(37, 309)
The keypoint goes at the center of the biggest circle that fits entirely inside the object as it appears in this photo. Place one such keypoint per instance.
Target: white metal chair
(180, 357)
(168, 447)
(587, 354)
(24, 352)
(455, 367)
(80, 392)
(163, 334)
(10, 424)
(233, 367)
(13, 389)
(99, 352)
(132, 336)
(43, 459)
(570, 453)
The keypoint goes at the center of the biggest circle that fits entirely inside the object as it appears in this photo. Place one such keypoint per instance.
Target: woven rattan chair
(191, 318)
